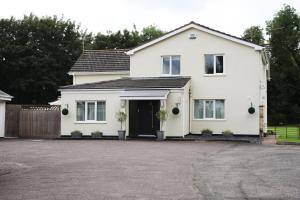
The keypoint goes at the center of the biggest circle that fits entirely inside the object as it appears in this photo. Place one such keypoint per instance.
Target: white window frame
(215, 65)
(204, 110)
(86, 111)
(170, 65)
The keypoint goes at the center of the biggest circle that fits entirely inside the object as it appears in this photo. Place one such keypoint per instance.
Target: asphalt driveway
(103, 169)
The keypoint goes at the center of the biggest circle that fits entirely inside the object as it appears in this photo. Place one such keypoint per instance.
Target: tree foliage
(283, 91)
(125, 39)
(254, 34)
(35, 56)
(37, 53)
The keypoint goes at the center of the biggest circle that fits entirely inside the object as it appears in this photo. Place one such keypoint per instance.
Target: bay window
(209, 109)
(90, 111)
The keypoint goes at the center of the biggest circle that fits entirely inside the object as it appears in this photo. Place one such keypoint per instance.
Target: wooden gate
(34, 121)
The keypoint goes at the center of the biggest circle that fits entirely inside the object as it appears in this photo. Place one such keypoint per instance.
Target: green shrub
(76, 132)
(97, 132)
(121, 117)
(162, 115)
(207, 131)
(227, 133)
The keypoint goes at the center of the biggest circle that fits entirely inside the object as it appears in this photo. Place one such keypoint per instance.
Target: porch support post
(124, 104)
(163, 105)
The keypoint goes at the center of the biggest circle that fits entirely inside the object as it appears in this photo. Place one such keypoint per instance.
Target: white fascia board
(96, 73)
(256, 47)
(6, 98)
(115, 90)
(143, 98)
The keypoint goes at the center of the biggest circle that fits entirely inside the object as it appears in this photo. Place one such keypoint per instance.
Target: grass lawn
(286, 133)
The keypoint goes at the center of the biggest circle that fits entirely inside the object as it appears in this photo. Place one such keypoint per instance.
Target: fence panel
(285, 132)
(36, 121)
(12, 120)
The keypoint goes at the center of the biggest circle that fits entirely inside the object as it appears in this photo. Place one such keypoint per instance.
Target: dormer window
(170, 65)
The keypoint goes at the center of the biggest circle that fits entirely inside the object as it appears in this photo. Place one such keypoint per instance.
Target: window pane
(209, 64)
(198, 109)
(219, 109)
(80, 111)
(166, 65)
(175, 65)
(219, 64)
(209, 109)
(90, 111)
(100, 111)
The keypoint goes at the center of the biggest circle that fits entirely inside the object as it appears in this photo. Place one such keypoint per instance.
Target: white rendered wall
(239, 85)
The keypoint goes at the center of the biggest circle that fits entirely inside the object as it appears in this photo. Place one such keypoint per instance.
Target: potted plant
(207, 132)
(121, 117)
(162, 116)
(227, 133)
(76, 134)
(97, 134)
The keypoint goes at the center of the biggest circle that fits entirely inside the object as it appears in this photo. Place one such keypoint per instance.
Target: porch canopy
(144, 95)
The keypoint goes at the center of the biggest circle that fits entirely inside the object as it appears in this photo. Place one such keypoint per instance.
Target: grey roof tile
(134, 83)
(102, 61)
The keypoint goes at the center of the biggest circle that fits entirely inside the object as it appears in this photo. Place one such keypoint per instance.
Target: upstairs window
(171, 65)
(214, 64)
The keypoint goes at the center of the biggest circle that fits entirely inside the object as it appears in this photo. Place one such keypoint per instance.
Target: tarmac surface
(111, 169)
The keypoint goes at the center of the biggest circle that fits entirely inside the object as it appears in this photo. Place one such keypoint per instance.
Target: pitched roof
(4, 96)
(102, 61)
(134, 83)
(199, 27)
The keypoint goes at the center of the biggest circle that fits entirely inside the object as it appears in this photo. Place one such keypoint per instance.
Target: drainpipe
(190, 94)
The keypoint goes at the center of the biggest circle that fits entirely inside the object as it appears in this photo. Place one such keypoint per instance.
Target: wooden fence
(32, 121)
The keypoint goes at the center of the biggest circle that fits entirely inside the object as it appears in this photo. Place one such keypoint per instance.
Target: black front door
(142, 117)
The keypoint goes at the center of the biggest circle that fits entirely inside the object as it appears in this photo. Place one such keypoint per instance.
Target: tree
(125, 39)
(284, 93)
(150, 32)
(35, 56)
(254, 34)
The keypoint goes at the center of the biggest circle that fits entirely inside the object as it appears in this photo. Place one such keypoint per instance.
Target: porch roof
(132, 83)
(144, 95)
(4, 96)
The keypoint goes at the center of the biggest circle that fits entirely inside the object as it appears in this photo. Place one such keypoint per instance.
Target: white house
(213, 78)
(3, 99)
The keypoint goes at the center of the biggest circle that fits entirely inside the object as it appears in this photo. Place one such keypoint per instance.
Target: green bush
(227, 133)
(97, 132)
(76, 132)
(207, 131)
(121, 117)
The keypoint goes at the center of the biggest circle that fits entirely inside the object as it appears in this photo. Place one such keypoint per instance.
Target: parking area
(111, 169)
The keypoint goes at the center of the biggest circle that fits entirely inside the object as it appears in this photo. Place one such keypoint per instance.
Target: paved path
(269, 140)
(88, 170)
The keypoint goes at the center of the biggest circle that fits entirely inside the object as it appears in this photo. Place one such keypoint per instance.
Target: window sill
(90, 122)
(214, 75)
(168, 75)
(209, 119)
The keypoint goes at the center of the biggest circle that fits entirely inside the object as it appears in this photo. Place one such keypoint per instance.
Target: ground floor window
(209, 109)
(90, 111)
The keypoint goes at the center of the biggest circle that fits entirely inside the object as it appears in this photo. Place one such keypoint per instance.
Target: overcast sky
(230, 16)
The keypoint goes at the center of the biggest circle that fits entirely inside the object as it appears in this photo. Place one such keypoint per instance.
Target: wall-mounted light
(123, 103)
